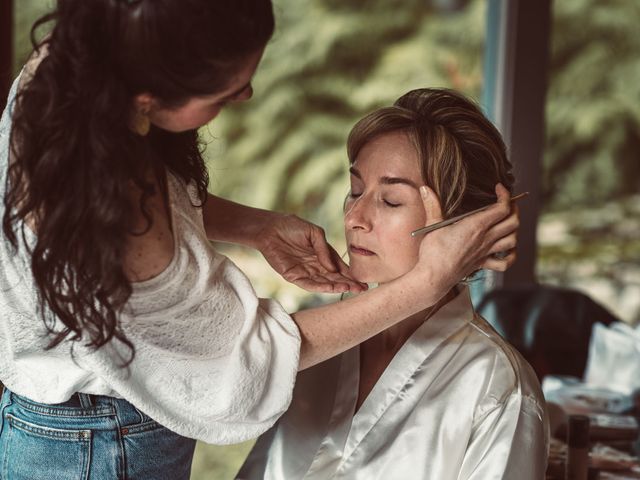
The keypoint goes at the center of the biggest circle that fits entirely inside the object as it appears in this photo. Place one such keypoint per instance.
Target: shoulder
(508, 376)
(24, 77)
(34, 61)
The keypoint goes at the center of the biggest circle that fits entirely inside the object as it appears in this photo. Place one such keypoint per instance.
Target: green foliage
(26, 12)
(218, 462)
(328, 64)
(593, 107)
(331, 61)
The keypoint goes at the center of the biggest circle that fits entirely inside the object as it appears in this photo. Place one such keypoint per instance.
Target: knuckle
(290, 276)
(478, 232)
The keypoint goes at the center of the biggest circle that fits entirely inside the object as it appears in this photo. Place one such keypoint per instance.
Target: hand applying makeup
(298, 251)
(481, 236)
(294, 248)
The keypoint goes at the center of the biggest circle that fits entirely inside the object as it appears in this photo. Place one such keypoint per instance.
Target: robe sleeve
(509, 441)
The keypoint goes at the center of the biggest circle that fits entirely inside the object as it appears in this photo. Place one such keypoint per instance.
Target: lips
(360, 251)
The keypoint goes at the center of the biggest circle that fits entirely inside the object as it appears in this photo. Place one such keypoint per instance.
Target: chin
(366, 274)
(359, 273)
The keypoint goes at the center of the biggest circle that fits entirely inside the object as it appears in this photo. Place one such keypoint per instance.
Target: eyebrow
(386, 180)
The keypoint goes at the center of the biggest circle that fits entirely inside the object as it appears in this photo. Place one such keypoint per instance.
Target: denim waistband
(85, 405)
(92, 437)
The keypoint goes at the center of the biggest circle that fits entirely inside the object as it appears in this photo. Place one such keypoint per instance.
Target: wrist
(424, 287)
(264, 229)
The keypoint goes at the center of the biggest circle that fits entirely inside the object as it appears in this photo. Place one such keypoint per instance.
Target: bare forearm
(331, 329)
(227, 221)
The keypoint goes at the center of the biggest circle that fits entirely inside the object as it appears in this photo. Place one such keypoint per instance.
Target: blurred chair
(549, 326)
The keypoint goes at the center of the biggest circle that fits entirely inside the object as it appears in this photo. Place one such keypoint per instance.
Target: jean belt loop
(143, 417)
(9, 399)
(85, 400)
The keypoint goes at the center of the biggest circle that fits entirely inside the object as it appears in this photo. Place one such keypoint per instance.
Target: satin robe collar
(350, 430)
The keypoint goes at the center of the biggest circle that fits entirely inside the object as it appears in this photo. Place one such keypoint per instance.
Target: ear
(143, 102)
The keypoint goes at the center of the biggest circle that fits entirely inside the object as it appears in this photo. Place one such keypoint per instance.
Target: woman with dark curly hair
(124, 335)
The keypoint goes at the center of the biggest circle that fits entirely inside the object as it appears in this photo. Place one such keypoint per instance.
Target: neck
(394, 337)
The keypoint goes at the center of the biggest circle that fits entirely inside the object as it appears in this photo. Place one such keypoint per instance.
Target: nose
(357, 215)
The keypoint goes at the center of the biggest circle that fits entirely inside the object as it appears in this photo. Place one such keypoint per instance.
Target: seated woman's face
(383, 208)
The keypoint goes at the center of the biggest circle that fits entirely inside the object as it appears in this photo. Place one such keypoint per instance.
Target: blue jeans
(88, 437)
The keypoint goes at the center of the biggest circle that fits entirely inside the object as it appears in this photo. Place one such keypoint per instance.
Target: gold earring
(140, 123)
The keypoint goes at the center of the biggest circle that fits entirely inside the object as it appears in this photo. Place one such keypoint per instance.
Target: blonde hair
(461, 154)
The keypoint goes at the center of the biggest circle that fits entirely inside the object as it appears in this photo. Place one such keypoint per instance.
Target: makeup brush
(452, 220)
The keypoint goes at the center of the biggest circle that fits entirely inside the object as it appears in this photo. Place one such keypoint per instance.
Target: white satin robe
(456, 402)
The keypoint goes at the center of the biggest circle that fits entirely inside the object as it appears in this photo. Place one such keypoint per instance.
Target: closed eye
(392, 205)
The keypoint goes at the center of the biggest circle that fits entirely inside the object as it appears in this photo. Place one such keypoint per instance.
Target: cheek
(197, 118)
(186, 118)
(400, 249)
(208, 114)
(401, 254)
(396, 233)
(397, 252)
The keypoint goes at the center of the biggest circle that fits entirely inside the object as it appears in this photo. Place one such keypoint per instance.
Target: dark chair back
(549, 326)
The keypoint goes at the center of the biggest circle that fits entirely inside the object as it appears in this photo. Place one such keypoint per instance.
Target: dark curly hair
(74, 157)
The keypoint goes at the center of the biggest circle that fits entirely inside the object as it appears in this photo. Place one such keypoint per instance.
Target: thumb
(323, 250)
(431, 205)
(502, 193)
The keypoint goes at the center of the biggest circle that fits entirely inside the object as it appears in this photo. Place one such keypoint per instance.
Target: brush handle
(452, 220)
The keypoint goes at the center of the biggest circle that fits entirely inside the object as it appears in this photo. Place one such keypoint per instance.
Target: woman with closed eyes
(438, 396)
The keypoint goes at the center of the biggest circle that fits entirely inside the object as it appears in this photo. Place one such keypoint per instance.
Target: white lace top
(213, 361)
